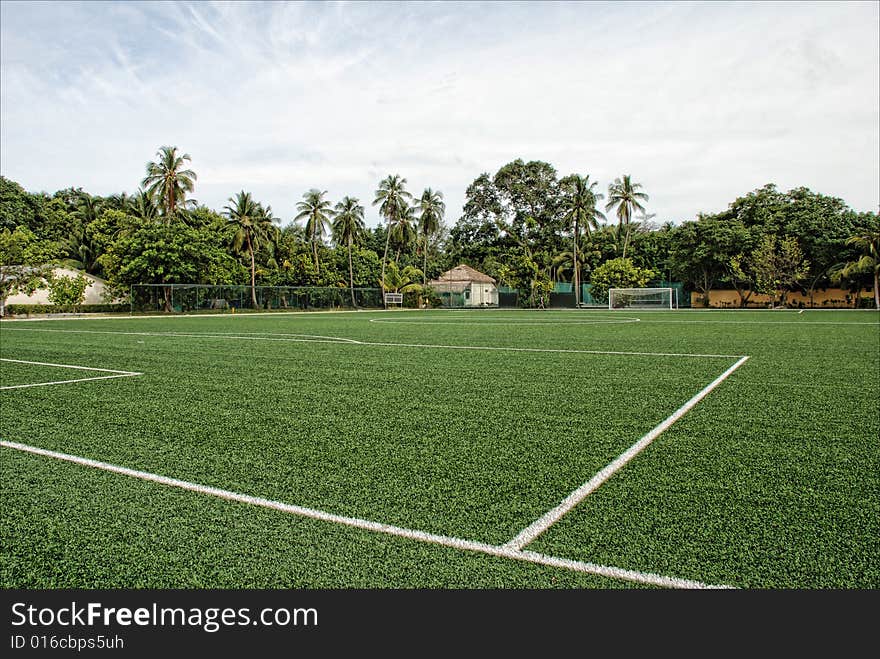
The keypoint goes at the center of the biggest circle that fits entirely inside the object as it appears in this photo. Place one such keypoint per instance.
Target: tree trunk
(384, 260)
(167, 293)
(876, 289)
(351, 274)
(315, 252)
(425, 271)
(577, 286)
(253, 272)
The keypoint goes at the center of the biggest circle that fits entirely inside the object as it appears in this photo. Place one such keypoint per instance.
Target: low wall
(829, 298)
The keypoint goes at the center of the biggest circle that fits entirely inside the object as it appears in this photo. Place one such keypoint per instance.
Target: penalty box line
(531, 532)
(116, 374)
(502, 551)
(313, 338)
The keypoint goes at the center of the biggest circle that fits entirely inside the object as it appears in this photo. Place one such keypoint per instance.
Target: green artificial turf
(771, 481)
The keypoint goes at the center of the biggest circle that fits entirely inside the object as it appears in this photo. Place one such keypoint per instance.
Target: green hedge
(28, 309)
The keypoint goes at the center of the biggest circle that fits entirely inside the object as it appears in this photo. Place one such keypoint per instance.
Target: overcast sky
(701, 103)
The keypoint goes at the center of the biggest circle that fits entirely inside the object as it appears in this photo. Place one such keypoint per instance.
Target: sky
(699, 102)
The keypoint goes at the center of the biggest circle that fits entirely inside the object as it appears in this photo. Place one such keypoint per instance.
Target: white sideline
(335, 339)
(503, 551)
(117, 374)
(531, 532)
(510, 321)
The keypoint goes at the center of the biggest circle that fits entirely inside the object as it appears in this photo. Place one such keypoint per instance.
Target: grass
(770, 482)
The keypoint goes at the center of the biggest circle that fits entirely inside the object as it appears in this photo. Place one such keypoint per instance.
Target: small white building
(465, 287)
(96, 290)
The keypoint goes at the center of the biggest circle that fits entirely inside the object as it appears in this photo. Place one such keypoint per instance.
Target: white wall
(94, 293)
(482, 295)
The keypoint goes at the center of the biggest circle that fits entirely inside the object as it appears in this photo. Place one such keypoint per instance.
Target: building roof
(464, 273)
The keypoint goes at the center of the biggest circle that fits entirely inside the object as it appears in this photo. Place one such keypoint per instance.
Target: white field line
(78, 368)
(117, 374)
(281, 337)
(377, 527)
(116, 316)
(510, 321)
(530, 533)
(758, 322)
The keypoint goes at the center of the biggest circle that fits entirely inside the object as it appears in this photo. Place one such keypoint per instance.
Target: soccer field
(527, 449)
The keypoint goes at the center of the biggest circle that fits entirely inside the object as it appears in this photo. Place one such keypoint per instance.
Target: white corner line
(78, 368)
(46, 384)
(116, 374)
(377, 527)
(531, 532)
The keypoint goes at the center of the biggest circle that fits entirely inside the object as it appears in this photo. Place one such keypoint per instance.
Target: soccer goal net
(642, 298)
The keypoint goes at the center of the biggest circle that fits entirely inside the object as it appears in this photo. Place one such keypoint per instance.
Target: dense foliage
(525, 225)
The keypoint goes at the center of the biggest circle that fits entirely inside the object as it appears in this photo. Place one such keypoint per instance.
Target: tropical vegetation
(531, 229)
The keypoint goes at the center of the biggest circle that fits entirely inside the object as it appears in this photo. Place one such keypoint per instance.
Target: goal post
(642, 298)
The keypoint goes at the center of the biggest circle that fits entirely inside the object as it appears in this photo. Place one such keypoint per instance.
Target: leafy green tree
(17, 207)
(701, 251)
(777, 266)
(617, 273)
(431, 209)
(579, 211)
(348, 229)
(626, 197)
(317, 213)
(25, 262)
(167, 182)
(161, 254)
(252, 229)
(393, 201)
(68, 292)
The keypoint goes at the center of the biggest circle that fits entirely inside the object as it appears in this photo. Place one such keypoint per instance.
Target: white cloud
(701, 103)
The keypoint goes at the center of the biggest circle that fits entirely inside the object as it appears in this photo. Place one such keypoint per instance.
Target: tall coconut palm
(626, 197)
(393, 199)
(253, 228)
(167, 182)
(348, 228)
(403, 232)
(431, 209)
(579, 208)
(316, 211)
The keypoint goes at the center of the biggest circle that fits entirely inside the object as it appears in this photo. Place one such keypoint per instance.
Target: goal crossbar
(642, 298)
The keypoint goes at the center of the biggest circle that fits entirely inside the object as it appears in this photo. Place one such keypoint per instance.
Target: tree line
(525, 226)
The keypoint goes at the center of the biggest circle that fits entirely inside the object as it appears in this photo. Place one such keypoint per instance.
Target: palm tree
(401, 281)
(431, 209)
(316, 211)
(348, 227)
(167, 182)
(393, 200)
(869, 242)
(254, 225)
(625, 195)
(143, 207)
(272, 232)
(579, 208)
(403, 231)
